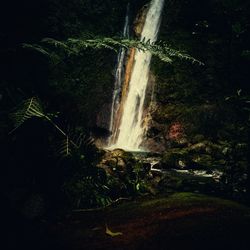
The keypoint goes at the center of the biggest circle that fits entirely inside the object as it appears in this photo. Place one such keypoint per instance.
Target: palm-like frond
(28, 109)
(70, 141)
(87, 142)
(64, 148)
(74, 46)
(33, 108)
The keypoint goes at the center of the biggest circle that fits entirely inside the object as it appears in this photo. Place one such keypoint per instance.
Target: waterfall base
(128, 149)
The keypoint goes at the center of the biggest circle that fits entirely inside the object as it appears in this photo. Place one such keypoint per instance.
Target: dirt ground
(178, 221)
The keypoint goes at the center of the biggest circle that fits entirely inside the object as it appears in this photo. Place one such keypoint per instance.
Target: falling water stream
(119, 72)
(130, 130)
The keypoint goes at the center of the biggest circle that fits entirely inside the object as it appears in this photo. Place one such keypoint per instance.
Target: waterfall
(119, 72)
(130, 129)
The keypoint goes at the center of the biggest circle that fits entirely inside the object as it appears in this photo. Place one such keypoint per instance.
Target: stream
(154, 160)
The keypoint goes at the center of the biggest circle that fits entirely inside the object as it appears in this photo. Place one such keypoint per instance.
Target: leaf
(112, 234)
(64, 148)
(74, 46)
(37, 48)
(29, 108)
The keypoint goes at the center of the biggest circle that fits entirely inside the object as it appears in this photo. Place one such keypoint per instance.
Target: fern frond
(37, 48)
(82, 141)
(32, 108)
(28, 109)
(64, 148)
(75, 46)
(87, 142)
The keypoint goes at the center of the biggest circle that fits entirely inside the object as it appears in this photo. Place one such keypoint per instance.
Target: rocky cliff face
(140, 20)
(191, 95)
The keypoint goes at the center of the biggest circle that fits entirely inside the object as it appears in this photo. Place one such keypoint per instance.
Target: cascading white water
(119, 75)
(131, 129)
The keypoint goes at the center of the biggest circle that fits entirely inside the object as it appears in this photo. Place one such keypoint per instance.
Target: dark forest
(125, 124)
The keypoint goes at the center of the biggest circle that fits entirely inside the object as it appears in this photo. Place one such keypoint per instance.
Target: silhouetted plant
(32, 107)
(75, 46)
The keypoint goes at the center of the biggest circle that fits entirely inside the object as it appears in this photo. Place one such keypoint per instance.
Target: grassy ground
(178, 221)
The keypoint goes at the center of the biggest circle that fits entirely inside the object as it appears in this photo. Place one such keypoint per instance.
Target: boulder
(156, 145)
(203, 160)
(117, 162)
(200, 147)
(198, 138)
(176, 158)
(179, 143)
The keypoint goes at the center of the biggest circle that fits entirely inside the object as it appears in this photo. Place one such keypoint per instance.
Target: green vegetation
(76, 46)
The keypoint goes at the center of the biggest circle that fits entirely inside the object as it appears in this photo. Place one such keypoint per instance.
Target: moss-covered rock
(203, 160)
(126, 175)
(176, 158)
(117, 162)
(201, 155)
